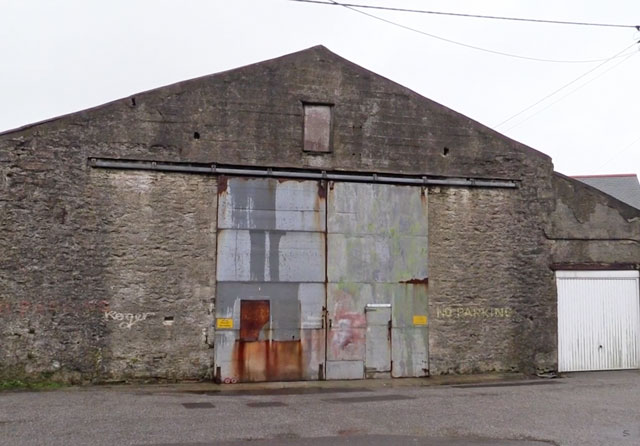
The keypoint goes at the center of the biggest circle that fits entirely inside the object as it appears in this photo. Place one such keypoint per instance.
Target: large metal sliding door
(377, 281)
(598, 320)
(270, 280)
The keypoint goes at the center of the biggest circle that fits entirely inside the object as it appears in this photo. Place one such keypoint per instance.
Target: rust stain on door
(271, 273)
(254, 315)
(268, 360)
(256, 356)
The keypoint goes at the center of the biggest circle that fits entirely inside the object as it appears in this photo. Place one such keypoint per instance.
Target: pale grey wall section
(160, 253)
(271, 246)
(377, 253)
(588, 227)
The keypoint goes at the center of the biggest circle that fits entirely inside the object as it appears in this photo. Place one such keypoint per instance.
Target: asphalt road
(581, 409)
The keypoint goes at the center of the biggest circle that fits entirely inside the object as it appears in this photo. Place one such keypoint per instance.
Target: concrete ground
(598, 408)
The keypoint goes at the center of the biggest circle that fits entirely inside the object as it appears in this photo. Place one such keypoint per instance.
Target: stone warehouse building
(302, 219)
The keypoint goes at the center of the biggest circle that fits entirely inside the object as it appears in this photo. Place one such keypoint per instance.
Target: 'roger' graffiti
(127, 320)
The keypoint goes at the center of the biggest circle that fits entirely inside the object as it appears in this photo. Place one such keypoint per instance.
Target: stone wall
(95, 263)
(110, 275)
(492, 298)
(159, 247)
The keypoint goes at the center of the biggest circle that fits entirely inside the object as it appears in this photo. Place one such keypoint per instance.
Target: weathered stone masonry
(108, 274)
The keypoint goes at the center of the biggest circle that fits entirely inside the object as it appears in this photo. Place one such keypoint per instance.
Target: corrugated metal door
(377, 254)
(598, 320)
(270, 280)
(378, 339)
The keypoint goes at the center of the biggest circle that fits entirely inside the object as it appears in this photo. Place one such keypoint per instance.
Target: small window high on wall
(317, 128)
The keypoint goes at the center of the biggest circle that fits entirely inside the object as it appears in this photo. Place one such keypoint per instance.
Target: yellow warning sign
(419, 319)
(224, 323)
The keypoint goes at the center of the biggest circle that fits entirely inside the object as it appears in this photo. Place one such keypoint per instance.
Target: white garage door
(598, 320)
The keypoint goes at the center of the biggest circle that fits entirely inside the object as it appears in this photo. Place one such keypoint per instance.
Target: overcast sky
(62, 56)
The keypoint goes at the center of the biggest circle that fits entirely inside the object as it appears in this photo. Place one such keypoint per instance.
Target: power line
(624, 149)
(475, 16)
(553, 93)
(454, 42)
(628, 56)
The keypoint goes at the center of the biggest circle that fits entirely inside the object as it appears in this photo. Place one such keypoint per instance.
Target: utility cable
(628, 56)
(620, 152)
(454, 42)
(553, 93)
(475, 16)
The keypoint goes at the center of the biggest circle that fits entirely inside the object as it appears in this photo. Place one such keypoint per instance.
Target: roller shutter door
(598, 320)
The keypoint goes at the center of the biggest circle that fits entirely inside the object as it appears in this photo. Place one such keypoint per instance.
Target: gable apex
(252, 115)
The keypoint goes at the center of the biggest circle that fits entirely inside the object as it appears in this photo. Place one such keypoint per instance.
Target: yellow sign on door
(419, 319)
(224, 323)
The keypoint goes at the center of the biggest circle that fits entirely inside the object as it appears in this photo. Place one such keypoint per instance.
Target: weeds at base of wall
(16, 384)
(141, 380)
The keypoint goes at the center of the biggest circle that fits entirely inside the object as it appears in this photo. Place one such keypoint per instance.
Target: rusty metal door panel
(288, 323)
(347, 322)
(271, 204)
(411, 299)
(224, 345)
(270, 360)
(293, 306)
(377, 233)
(313, 343)
(255, 318)
(345, 342)
(312, 298)
(270, 265)
(409, 352)
(378, 339)
(346, 303)
(377, 209)
(377, 242)
(350, 298)
(267, 256)
(263, 358)
(390, 257)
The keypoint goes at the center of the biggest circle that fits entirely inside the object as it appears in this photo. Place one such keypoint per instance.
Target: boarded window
(317, 128)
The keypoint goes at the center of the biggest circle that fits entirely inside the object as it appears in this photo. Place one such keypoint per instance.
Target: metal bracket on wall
(359, 177)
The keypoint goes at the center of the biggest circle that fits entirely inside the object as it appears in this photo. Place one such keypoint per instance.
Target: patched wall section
(589, 229)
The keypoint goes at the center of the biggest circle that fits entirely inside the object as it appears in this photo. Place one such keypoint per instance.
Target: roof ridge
(606, 175)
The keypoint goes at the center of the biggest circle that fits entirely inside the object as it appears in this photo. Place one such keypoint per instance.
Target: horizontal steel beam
(214, 169)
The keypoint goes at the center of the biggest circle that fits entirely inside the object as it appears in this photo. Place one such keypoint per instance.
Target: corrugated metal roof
(624, 187)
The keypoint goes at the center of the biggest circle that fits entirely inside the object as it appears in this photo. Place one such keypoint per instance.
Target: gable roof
(252, 116)
(624, 187)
